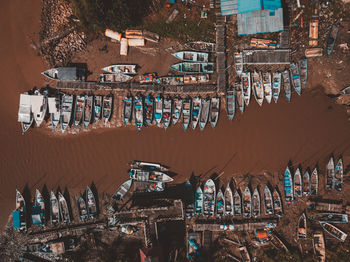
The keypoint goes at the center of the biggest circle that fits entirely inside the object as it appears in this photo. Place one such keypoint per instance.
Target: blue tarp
(246, 6)
(272, 4)
(16, 215)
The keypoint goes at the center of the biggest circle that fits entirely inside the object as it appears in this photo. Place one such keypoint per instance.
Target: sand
(264, 139)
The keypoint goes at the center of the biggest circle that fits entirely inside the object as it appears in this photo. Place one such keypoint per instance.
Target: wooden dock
(220, 49)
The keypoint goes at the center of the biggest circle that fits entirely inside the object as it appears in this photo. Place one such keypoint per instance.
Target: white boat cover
(52, 105)
(36, 101)
(24, 108)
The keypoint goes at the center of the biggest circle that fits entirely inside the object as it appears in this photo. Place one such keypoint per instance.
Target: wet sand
(305, 131)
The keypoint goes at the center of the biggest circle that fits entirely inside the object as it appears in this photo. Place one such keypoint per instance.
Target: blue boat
(158, 111)
(19, 214)
(38, 209)
(288, 186)
(127, 113)
(148, 109)
(294, 73)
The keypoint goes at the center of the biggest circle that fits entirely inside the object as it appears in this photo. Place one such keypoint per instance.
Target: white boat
(196, 110)
(177, 109)
(167, 112)
(149, 176)
(204, 115)
(114, 78)
(66, 111)
(314, 182)
(209, 195)
(91, 203)
(228, 211)
(88, 110)
(148, 165)
(334, 231)
(237, 204)
(122, 190)
(198, 198)
(39, 201)
(247, 87)
(256, 203)
(25, 115)
(266, 79)
(54, 110)
(239, 96)
(64, 211)
(107, 108)
(268, 200)
(276, 85)
(301, 232)
(124, 69)
(19, 214)
(298, 184)
(258, 88)
(238, 60)
(214, 111)
(247, 203)
(138, 112)
(97, 108)
(330, 173)
(306, 183)
(192, 56)
(39, 106)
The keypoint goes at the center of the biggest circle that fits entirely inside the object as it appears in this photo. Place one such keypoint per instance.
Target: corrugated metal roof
(245, 6)
(229, 7)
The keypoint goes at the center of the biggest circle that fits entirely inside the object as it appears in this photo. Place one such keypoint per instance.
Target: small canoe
(158, 111)
(177, 109)
(138, 112)
(303, 71)
(88, 107)
(247, 203)
(295, 76)
(209, 194)
(237, 204)
(204, 114)
(268, 201)
(267, 83)
(124, 69)
(301, 232)
(247, 89)
(238, 60)
(287, 85)
(127, 111)
(39, 106)
(196, 110)
(331, 217)
(114, 78)
(122, 190)
(288, 186)
(39, 201)
(167, 112)
(239, 96)
(194, 68)
(306, 183)
(277, 203)
(66, 111)
(186, 112)
(330, 173)
(258, 89)
(91, 203)
(276, 85)
(192, 56)
(214, 111)
(334, 231)
(228, 201)
(199, 201)
(19, 214)
(54, 110)
(298, 184)
(148, 165)
(97, 108)
(256, 203)
(107, 108)
(220, 203)
(149, 176)
(83, 213)
(189, 200)
(314, 182)
(338, 177)
(54, 210)
(230, 102)
(332, 37)
(79, 110)
(65, 217)
(148, 108)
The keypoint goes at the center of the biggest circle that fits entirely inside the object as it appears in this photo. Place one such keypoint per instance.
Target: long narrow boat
(306, 183)
(338, 176)
(83, 213)
(19, 214)
(331, 217)
(204, 114)
(158, 111)
(97, 108)
(138, 112)
(91, 203)
(258, 88)
(25, 114)
(148, 108)
(220, 203)
(237, 204)
(39, 201)
(295, 76)
(244, 254)
(54, 110)
(319, 246)
(122, 190)
(63, 208)
(199, 201)
(88, 110)
(230, 102)
(149, 176)
(277, 203)
(194, 68)
(177, 109)
(268, 201)
(267, 84)
(79, 110)
(54, 210)
(314, 182)
(186, 112)
(298, 184)
(238, 60)
(196, 110)
(256, 203)
(332, 37)
(39, 106)
(209, 194)
(192, 56)
(303, 71)
(167, 112)
(66, 111)
(228, 211)
(201, 46)
(288, 187)
(239, 96)
(301, 232)
(287, 85)
(114, 78)
(247, 203)
(125, 69)
(214, 111)
(334, 231)
(195, 79)
(127, 111)
(148, 165)
(276, 85)
(330, 173)
(107, 108)
(246, 85)
(189, 199)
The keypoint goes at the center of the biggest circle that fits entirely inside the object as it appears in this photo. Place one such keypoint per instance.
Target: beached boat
(331, 217)
(238, 60)
(287, 85)
(239, 96)
(314, 183)
(214, 111)
(231, 102)
(39, 201)
(138, 112)
(186, 112)
(298, 184)
(246, 85)
(79, 110)
(66, 74)
(25, 115)
(122, 190)
(301, 232)
(88, 110)
(124, 69)
(149, 176)
(258, 88)
(158, 111)
(192, 56)
(148, 108)
(97, 108)
(189, 199)
(204, 114)
(334, 231)
(306, 183)
(199, 201)
(276, 85)
(39, 106)
(237, 204)
(332, 37)
(91, 203)
(83, 213)
(66, 111)
(114, 78)
(295, 76)
(177, 109)
(256, 203)
(228, 211)
(303, 71)
(107, 108)
(167, 112)
(196, 110)
(148, 165)
(194, 68)
(65, 217)
(127, 111)
(247, 203)
(196, 79)
(319, 246)
(268, 201)
(330, 173)
(19, 214)
(201, 46)
(220, 203)
(54, 110)
(54, 210)
(209, 194)
(266, 80)
(288, 187)
(277, 203)
(338, 176)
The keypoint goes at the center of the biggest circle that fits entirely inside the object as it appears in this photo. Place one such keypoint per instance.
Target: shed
(229, 7)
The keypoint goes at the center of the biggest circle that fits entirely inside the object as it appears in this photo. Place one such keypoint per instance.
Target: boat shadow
(26, 193)
(46, 196)
(67, 197)
(95, 192)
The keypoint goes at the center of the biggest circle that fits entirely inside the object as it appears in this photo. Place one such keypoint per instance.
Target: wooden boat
(39, 201)
(114, 78)
(303, 71)
(338, 176)
(266, 80)
(244, 254)
(204, 114)
(89, 100)
(147, 78)
(79, 110)
(191, 56)
(288, 187)
(194, 68)
(54, 210)
(65, 217)
(189, 200)
(124, 69)
(201, 46)
(331, 217)
(66, 111)
(107, 108)
(334, 231)
(298, 184)
(246, 87)
(91, 203)
(19, 214)
(138, 112)
(199, 201)
(239, 96)
(295, 76)
(54, 110)
(278, 243)
(83, 213)
(306, 183)
(167, 112)
(287, 85)
(237, 204)
(277, 203)
(330, 173)
(238, 60)
(186, 112)
(25, 114)
(97, 108)
(196, 79)
(268, 201)
(258, 88)
(230, 102)
(122, 190)
(256, 203)
(332, 37)
(313, 52)
(39, 106)
(209, 194)
(127, 112)
(220, 203)
(148, 110)
(196, 110)
(247, 203)
(314, 182)
(177, 109)
(276, 85)
(319, 246)
(228, 211)
(214, 111)
(149, 176)
(158, 111)
(148, 166)
(66, 73)
(301, 233)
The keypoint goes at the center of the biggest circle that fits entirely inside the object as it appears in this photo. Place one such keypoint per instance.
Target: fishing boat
(196, 110)
(127, 112)
(288, 186)
(189, 200)
(186, 112)
(330, 173)
(79, 110)
(332, 37)
(220, 203)
(148, 165)
(214, 111)
(314, 182)
(237, 204)
(54, 210)
(247, 203)
(196, 79)
(295, 76)
(246, 85)
(66, 73)
(239, 96)
(192, 56)
(230, 102)
(122, 190)
(97, 108)
(39, 106)
(25, 115)
(114, 78)
(256, 203)
(201, 46)
(338, 176)
(124, 69)
(266, 79)
(148, 108)
(277, 203)
(91, 203)
(177, 109)
(107, 108)
(54, 110)
(66, 111)
(194, 68)
(204, 114)
(158, 111)
(39, 201)
(83, 214)
(19, 214)
(301, 233)
(238, 60)
(89, 101)
(209, 194)
(258, 88)
(268, 201)
(276, 85)
(199, 201)
(319, 246)
(167, 112)
(331, 217)
(228, 211)
(334, 231)
(287, 85)
(298, 184)
(149, 176)
(138, 112)
(63, 208)
(303, 71)
(306, 183)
